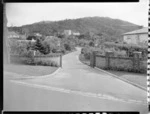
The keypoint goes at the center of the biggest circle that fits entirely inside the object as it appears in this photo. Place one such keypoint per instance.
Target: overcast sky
(26, 13)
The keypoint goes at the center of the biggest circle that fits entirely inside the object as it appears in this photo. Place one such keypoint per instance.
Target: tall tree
(25, 31)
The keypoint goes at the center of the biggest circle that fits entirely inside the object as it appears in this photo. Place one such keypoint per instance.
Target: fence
(109, 62)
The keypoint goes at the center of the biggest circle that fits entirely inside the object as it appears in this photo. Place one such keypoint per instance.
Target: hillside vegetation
(111, 28)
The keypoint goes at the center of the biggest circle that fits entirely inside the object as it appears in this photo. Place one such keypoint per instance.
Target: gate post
(136, 60)
(61, 60)
(108, 55)
(93, 59)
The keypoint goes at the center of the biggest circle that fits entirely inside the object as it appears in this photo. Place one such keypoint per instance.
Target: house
(70, 32)
(67, 32)
(38, 34)
(138, 37)
(50, 37)
(12, 34)
(75, 33)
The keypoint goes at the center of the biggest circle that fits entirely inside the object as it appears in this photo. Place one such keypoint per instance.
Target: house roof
(139, 31)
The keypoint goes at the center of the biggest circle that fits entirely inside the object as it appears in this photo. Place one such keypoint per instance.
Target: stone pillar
(93, 59)
(136, 60)
(61, 60)
(108, 54)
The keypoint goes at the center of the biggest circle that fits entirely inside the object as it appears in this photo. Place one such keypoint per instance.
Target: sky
(19, 14)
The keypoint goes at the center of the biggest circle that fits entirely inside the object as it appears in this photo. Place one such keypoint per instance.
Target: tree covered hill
(97, 25)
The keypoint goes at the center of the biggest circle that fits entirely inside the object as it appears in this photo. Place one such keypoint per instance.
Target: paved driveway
(86, 84)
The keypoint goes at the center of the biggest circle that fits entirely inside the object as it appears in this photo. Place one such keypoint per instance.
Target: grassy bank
(136, 78)
(29, 69)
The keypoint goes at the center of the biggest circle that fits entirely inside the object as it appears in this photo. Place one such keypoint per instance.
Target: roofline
(134, 33)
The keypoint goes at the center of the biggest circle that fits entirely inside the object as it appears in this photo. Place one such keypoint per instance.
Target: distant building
(49, 37)
(139, 36)
(70, 32)
(38, 34)
(32, 41)
(12, 34)
(76, 33)
(67, 32)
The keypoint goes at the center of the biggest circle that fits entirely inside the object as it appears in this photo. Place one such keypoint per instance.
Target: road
(75, 87)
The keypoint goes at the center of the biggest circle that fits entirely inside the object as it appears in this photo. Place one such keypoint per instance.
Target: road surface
(75, 87)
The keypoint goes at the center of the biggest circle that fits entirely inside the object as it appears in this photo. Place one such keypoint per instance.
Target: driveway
(86, 84)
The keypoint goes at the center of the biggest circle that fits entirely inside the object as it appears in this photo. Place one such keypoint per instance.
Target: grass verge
(136, 78)
(29, 69)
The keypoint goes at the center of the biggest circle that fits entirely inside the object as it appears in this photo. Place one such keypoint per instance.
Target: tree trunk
(6, 56)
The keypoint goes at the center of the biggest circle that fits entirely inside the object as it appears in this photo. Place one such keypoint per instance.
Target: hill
(97, 25)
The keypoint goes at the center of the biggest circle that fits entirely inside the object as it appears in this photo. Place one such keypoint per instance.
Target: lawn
(137, 78)
(29, 69)
(18, 66)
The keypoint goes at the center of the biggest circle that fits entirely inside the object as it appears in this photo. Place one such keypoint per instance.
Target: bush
(91, 43)
(48, 45)
(67, 47)
(18, 48)
(42, 62)
(120, 53)
(86, 51)
(129, 48)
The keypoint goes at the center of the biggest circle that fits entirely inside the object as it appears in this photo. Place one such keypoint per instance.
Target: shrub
(43, 62)
(17, 48)
(91, 43)
(67, 47)
(129, 48)
(120, 53)
(86, 51)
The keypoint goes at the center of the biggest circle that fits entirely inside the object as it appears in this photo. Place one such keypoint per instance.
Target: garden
(29, 57)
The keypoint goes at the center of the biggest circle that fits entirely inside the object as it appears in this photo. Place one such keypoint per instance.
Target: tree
(91, 43)
(38, 45)
(25, 31)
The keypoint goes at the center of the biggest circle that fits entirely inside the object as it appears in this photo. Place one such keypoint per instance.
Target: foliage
(52, 44)
(42, 62)
(83, 42)
(69, 43)
(116, 64)
(48, 45)
(86, 51)
(19, 48)
(31, 37)
(67, 47)
(91, 43)
(129, 48)
(86, 26)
